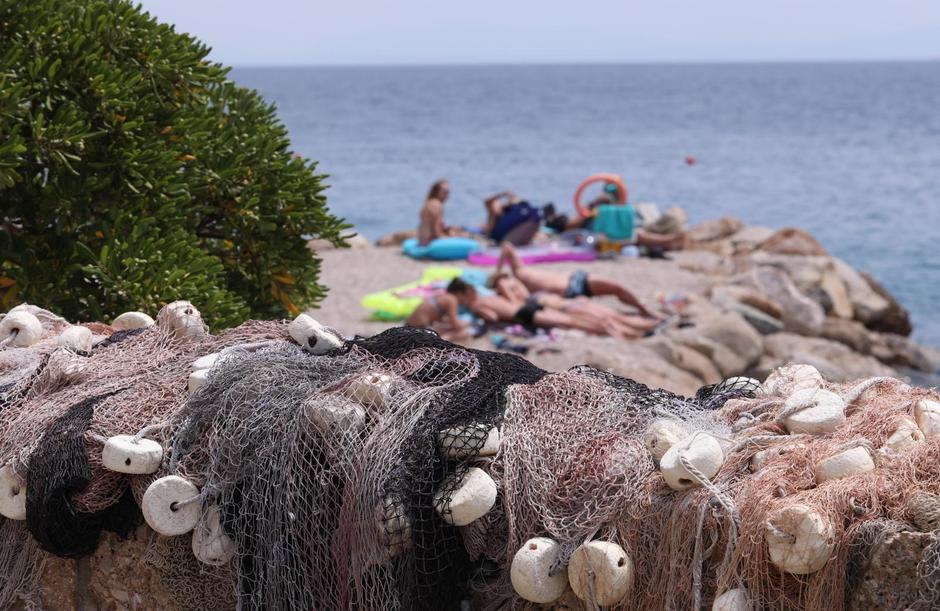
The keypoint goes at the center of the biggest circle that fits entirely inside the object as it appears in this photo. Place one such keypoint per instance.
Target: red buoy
(690, 160)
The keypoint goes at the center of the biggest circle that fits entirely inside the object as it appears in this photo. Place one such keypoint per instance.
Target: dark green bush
(133, 173)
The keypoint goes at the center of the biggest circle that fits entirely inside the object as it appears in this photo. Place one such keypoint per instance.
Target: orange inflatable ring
(590, 180)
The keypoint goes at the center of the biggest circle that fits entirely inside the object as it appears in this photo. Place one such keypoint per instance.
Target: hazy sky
(309, 32)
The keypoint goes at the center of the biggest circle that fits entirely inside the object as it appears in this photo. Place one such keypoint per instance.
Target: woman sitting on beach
(431, 225)
(576, 284)
(440, 313)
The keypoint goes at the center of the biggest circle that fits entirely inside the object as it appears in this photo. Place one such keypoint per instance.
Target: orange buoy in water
(606, 178)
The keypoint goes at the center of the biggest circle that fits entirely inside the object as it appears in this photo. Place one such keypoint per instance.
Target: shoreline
(758, 298)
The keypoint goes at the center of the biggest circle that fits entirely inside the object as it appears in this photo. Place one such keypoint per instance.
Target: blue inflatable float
(441, 249)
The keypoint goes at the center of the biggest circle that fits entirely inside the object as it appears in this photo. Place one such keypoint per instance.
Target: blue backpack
(513, 216)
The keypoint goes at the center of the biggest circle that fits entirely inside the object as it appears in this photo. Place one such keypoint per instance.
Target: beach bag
(517, 224)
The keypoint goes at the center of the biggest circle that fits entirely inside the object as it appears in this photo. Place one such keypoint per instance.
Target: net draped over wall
(341, 480)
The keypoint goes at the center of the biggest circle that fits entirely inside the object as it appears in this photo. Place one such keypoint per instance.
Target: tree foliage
(134, 173)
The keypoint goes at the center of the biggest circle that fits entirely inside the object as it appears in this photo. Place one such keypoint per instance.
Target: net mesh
(334, 476)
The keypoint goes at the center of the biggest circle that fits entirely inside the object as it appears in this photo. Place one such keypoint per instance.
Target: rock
(815, 277)
(672, 221)
(800, 314)
(762, 323)
(834, 360)
(792, 241)
(868, 306)
(396, 239)
(722, 248)
(933, 357)
(889, 579)
(732, 331)
(648, 212)
(849, 332)
(896, 319)
(715, 229)
(748, 296)
(748, 239)
(643, 365)
(899, 351)
(685, 358)
(703, 262)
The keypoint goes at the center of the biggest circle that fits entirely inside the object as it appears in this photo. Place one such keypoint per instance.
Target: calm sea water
(849, 151)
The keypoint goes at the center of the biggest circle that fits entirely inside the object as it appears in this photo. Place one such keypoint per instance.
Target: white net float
(65, 367)
(197, 380)
(171, 506)
(132, 320)
(76, 339)
(799, 539)
(814, 411)
(314, 337)
(760, 459)
(206, 362)
(211, 544)
(20, 328)
(736, 599)
(662, 434)
(370, 389)
(702, 450)
(786, 380)
(12, 494)
(927, 415)
(845, 464)
(182, 320)
(600, 572)
(529, 571)
(463, 442)
(905, 436)
(125, 454)
(461, 503)
(338, 416)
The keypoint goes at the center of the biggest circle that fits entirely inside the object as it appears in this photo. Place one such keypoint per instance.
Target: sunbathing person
(614, 323)
(431, 226)
(510, 219)
(576, 284)
(440, 313)
(529, 313)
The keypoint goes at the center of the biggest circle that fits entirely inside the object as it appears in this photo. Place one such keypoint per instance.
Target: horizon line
(510, 64)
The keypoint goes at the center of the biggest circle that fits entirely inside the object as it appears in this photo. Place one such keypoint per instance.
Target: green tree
(134, 173)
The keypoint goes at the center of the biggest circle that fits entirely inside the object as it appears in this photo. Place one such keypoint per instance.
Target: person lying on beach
(440, 313)
(431, 219)
(576, 284)
(596, 315)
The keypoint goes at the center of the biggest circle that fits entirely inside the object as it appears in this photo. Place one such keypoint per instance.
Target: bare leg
(605, 286)
(549, 317)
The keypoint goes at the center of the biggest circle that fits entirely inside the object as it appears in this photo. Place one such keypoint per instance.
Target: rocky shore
(758, 298)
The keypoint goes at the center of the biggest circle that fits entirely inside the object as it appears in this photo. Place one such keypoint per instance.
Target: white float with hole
(662, 434)
(370, 389)
(760, 459)
(529, 571)
(469, 500)
(314, 337)
(211, 544)
(124, 454)
(927, 415)
(132, 320)
(702, 450)
(733, 600)
(799, 539)
(603, 569)
(462, 442)
(182, 320)
(170, 506)
(825, 414)
(76, 339)
(905, 436)
(786, 380)
(20, 328)
(845, 464)
(12, 494)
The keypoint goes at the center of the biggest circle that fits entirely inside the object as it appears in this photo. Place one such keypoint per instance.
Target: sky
(379, 32)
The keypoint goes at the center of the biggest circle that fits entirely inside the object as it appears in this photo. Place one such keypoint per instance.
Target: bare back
(431, 225)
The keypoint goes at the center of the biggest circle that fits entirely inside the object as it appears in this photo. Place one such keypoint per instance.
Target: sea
(848, 151)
